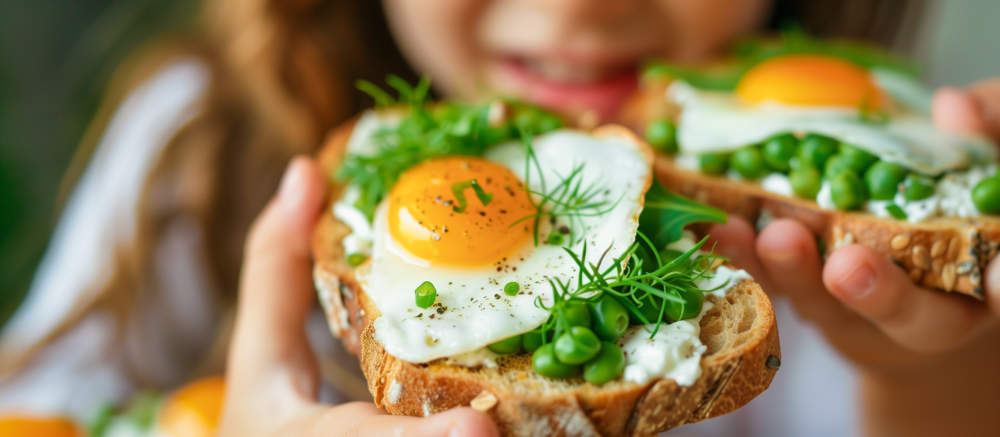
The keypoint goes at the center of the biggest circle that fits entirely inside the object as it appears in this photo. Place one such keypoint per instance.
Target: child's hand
(929, 360)
(272, 380)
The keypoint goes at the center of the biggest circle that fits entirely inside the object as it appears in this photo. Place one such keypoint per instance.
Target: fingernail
(859, 282)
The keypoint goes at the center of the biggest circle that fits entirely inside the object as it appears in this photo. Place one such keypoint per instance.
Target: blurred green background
(57, 55)
(55, 59)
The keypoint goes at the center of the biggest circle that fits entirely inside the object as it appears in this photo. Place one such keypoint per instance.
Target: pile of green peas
(854, 175)
(586, 343)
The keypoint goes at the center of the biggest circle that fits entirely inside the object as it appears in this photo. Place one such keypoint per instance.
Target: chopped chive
(511, 288)
(895, 211)
(457, 189)
(355, 259)
(425, 294)
(555, 239)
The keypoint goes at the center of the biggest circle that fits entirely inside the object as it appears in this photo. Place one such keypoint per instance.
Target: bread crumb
(483, 401)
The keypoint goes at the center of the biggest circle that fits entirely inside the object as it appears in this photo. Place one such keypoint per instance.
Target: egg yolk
(17, 426)
(810, 80)
(193, 410)
(425, 214)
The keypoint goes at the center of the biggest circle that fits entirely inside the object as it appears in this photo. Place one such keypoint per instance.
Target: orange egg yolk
(193, 410)
(425, 214)
(810, 80)
(25, 426)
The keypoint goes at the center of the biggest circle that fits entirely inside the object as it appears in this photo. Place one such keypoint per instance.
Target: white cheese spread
(674, 352)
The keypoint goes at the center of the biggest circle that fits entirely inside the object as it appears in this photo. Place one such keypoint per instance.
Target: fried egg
(829, 96)
(469, 250)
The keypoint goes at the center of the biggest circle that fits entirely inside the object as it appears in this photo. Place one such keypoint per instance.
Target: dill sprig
(653, 287)
(427, 131)
(569, 199)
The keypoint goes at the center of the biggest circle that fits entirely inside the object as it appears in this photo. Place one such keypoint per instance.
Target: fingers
(735, 240)
(361, 419)
(276, 289)
(919, 319)
(956, 110)
(788, 254)
(975, 109)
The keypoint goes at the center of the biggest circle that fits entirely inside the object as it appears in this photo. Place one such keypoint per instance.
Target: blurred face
(569, 55)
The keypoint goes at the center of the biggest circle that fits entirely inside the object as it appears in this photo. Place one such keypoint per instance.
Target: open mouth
(570, 85)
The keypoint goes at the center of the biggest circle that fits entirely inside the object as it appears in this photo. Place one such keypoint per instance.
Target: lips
(569, 85)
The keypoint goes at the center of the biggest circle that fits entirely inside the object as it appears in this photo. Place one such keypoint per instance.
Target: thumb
(270, 356)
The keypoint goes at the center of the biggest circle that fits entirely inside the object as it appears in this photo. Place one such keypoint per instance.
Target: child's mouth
(571, 85)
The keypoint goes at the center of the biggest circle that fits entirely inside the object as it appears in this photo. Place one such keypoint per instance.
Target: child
(191, 154)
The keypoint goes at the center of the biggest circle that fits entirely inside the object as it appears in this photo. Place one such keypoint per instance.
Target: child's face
(569, 55)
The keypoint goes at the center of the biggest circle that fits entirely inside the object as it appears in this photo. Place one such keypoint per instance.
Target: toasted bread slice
(739, 331)
(948, 254)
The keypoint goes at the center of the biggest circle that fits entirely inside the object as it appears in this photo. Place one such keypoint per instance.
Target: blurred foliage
(55, 61)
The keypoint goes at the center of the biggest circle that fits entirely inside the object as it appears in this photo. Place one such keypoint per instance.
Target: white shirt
(812, 394)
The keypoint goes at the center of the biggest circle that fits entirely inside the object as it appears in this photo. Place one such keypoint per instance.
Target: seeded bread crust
(944, 254)
(740, 333)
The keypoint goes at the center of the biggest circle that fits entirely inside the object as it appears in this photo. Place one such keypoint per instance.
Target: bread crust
(944, 254)
(740, 332)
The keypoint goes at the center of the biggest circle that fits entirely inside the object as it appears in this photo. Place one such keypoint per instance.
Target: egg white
(712, 122)
(472, 309)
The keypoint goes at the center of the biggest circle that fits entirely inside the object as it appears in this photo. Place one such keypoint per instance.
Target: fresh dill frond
(653, 289)
(427, 131)
(570, 199)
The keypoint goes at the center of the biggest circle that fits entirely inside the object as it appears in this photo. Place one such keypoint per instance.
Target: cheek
(437, 37)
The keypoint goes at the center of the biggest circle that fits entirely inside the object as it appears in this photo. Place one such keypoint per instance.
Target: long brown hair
(283, 74)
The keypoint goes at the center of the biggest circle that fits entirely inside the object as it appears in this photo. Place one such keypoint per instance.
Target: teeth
(564, 72)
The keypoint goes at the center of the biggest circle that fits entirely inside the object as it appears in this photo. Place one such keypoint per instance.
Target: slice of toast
(948, 254)
(741, 359)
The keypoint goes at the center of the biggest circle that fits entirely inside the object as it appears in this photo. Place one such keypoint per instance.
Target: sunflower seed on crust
(483, 401)
(900, 242)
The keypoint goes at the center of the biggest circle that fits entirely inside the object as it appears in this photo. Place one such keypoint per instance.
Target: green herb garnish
(427, 131)
(457, 189)
(896, 212)
(511, 288)
(425, 294)
(666, 214)
(569, 199)
(355, 259)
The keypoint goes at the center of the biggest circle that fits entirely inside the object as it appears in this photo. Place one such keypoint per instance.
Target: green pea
(425, 294)
(815, 149)
(355, 259)
(883, 180)
(714, 163)
(511, 288)
(691, 307)
(531, 340)
(847, 191)
(916, 187)
(507, 346)
(748, 162)
(986, 195)
(662, 134)
(610, 318)
(577, 346)
(836, 165)
(858, 159)
(608, 365)
(546, 364)
(577, 312)
(805, 182)
(649, 310)
(779, 151)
